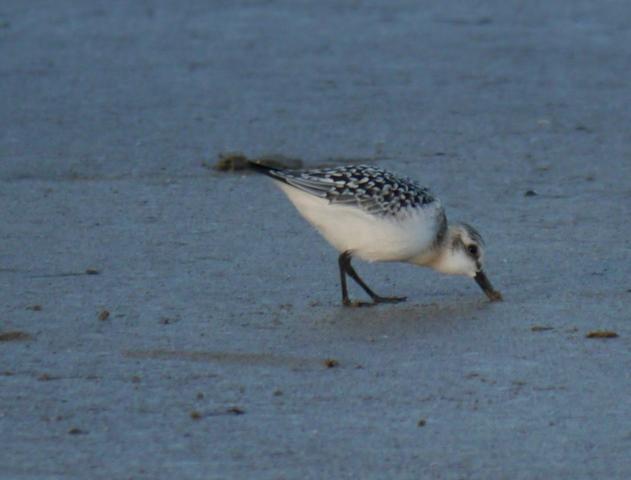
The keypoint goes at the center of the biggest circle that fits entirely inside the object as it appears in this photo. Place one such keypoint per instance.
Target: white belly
(369, 237)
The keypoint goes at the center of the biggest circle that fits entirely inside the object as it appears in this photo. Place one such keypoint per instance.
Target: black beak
(486, 286)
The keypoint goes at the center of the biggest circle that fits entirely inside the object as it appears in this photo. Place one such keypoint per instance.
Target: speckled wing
(374, 190)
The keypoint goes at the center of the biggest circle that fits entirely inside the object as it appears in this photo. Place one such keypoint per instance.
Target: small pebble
(602, 334)
(540, 328)
(15, 336)
(330, 363)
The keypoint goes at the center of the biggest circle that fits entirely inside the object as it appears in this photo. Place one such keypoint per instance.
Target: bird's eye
(473, 249)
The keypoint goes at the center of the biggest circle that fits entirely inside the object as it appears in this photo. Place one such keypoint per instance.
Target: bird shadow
(402, 319)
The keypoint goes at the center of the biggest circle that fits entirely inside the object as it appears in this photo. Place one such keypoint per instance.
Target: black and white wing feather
(373, 189)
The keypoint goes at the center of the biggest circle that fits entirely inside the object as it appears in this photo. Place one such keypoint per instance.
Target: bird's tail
(272, 172)
(264, 169)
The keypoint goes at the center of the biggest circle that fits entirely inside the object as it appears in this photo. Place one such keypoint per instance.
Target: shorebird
(378, 216)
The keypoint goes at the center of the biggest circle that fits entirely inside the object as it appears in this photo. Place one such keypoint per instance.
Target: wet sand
(225, 352)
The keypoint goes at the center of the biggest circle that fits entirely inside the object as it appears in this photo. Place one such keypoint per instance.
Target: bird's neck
(437, 252)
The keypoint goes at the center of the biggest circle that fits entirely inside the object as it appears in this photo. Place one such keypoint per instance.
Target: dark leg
(346, 268)
(341, 261)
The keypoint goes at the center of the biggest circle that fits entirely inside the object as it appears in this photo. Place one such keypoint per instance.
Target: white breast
(370, 237)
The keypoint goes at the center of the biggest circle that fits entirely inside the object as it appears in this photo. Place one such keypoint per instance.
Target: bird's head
(462, 253)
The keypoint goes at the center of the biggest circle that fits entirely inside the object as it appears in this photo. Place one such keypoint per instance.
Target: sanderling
(375, 215)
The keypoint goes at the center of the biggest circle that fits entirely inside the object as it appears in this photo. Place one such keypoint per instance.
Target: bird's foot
(378, 299)
(357, 303)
